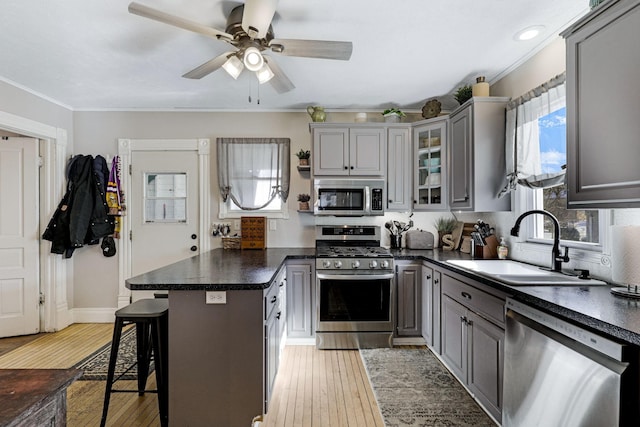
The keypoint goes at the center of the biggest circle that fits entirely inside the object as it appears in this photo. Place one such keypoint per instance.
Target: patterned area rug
(96, 365)
(412, 388)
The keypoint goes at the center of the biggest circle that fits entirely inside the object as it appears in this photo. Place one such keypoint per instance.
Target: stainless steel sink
(520, 274)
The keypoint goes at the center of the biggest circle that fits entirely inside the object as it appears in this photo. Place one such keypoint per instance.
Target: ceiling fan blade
(157, 15)
(280, 81)
(208, 67)
(257, 17)
(314, 48)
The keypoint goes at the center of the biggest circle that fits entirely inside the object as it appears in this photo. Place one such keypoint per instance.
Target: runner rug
(412, 388)
(96, 365)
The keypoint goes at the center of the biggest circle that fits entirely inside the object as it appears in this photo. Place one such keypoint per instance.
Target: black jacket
(82, 215)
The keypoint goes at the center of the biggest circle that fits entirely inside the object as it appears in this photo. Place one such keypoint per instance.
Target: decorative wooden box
(254, 232)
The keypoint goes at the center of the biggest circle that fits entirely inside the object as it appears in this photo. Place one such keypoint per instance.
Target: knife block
(489, 250)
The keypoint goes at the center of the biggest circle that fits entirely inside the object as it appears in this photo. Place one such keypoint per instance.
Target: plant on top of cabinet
(463, 94)
(393, 115)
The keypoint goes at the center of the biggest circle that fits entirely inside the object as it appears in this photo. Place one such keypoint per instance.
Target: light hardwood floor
(313, 389)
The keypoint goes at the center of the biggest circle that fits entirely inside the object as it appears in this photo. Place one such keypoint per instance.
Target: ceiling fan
(250, 33)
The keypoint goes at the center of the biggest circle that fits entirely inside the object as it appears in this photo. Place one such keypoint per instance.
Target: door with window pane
(163, 209)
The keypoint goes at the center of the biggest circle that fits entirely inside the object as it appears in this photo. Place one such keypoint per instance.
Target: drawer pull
(466, 295)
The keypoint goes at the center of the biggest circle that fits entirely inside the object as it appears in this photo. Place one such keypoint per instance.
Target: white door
(19, 240)
(164, 210)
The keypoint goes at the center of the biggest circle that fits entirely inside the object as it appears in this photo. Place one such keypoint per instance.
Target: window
(536, 161)
(165, 197)
(575, 225)
(253, 175)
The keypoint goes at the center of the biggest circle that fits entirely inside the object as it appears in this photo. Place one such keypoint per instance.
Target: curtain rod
(534, 93)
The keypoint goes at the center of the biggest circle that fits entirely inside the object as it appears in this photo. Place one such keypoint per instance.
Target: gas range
(351, 248)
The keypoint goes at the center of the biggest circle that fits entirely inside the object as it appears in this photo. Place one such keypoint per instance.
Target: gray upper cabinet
(430, 164)
(603, 107)
(398, 170)
(477, 166)
(348, 150)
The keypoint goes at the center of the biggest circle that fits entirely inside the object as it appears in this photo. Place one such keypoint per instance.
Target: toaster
(419, 239)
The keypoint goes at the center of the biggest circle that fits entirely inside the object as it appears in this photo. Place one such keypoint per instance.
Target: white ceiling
(93, 54)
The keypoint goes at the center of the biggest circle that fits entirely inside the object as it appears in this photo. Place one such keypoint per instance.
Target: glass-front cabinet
(430, 151)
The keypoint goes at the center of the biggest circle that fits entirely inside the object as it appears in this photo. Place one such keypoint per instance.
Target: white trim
(54, 314)
(33, 92)
(300, 341)
(93, 315)
(409, 341)
(125, 149)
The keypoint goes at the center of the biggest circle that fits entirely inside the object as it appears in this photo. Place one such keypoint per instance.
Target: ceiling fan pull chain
(258, 94)
(249, 92)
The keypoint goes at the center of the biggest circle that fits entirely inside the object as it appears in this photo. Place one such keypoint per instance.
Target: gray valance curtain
(253, 171)
(522, 143)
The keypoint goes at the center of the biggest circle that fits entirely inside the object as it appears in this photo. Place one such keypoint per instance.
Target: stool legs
(117, 332)
(143, 354)
(159, 335)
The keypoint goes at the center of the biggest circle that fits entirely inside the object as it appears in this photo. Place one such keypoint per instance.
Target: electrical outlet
(272, 225)
(236, 224)
(216, 297)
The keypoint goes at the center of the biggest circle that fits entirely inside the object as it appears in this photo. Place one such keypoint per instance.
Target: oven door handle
(380, 276)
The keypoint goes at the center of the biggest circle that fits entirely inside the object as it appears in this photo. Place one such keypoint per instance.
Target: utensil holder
(396, 241)
(489, 250)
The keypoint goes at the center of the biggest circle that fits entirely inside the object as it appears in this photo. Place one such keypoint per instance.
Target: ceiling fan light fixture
(233, 66)
(264, 74)
(253, 59)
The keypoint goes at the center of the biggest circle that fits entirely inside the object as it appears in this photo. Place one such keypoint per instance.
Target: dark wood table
(35, 397)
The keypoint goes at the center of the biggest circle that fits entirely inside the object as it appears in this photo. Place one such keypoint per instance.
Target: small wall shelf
(306, 168)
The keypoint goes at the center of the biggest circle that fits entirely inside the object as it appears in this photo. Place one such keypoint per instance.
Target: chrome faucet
(556, 258)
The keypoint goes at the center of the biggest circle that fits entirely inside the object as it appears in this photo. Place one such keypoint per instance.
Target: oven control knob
(384, 264)
(373, 264)
(355, 264)
(338, 264)
(326, 263)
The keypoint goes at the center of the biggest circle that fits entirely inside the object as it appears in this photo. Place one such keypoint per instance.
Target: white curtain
(522, 144)
(253, 171)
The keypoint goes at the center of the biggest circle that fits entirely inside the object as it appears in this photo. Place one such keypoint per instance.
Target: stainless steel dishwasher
(559, 374)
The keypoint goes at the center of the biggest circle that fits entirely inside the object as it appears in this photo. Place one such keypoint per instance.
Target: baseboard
(409, 341)
(93, 315)
(300, 341)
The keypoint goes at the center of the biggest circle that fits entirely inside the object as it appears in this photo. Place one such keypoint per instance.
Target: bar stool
(151, 319)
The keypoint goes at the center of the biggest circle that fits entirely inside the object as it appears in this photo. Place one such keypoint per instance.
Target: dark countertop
(592, 306)
(219, 270)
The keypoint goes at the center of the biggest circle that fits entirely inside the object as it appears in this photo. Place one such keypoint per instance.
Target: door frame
(54, 311)
(125, 148)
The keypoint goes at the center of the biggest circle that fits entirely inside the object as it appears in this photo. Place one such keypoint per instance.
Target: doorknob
(194, 237)
(193, 248)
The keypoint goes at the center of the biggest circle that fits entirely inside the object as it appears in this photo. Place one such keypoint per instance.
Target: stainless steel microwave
(348, 196)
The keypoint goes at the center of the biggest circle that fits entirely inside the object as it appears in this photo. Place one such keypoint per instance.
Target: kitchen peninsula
(217, 351)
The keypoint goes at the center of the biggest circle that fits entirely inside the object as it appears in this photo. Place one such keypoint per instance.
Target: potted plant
(392, 115)
(303, 157)
(304, 201)
(463, 94)
(444, 226)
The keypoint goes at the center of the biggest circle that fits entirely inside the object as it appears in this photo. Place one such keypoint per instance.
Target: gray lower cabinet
(472, 333)
(602, 71)
(301, 299)
(431, 306)
(409, 299)
(275, 308)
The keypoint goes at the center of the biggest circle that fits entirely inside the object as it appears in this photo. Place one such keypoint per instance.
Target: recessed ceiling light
(529, 33)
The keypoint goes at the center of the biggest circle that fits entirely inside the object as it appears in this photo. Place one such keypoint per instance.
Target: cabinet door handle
(436, 281)
(278, 315)
(466, 295)
(274, 299)
(351, 167)
(428, 277)
(346, 167)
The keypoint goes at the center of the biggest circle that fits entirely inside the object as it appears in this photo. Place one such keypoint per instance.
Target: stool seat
(150, 307)
(151, 319)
